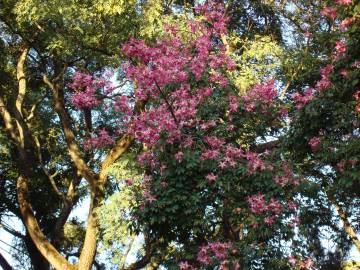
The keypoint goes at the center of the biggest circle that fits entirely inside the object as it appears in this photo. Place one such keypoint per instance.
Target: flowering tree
(324, 131)
(211, 188)
(225, 177)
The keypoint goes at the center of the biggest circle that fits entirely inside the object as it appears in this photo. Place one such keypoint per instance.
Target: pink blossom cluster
(170, 63)
(344, 25)
(325, 82)
(344, 2)
(262, 93)
(271, 209)
(214, 14)
(88, 90)
(255, 163)
(287, 177)
(301, 100)
(233, 103)
(257, 203)
(302, 264)
(329, 12)
(211, 177)
(214, 142)
(122, 104)
(340, 50)
(185, 266)
(314, 143)
(217, 249)
(85, 96)
(103, 139)
(147, 158)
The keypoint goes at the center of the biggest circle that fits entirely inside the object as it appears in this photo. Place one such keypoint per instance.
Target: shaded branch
(145, 260)
(4, 263)
(9, 127)
(260, 148)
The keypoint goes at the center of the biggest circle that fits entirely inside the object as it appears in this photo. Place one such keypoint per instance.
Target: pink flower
(301, 100)
(234, 104)
(356, 95)
(344, 72)
(314, 142)
(262, 93)
(269, 220)
(325, 82)
(329, 12)
(179, 156)
(214, 142)
(344, 2)
(254, 162)
(184, 266)
(292, 205)
(209, 154)
(149, 197)
(307, 264)
(326, 71)
(307, 34)
(344, 25)
(340, 49)
(292, 260)
(211, 177)
(203, 256)
(274, 206)
(102, 139)
(257, 203)
(217, 249)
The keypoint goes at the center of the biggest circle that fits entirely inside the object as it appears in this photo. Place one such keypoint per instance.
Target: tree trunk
(38, 237)
(38, 261)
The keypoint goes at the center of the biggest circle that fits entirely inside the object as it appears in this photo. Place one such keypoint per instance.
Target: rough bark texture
(39, 239)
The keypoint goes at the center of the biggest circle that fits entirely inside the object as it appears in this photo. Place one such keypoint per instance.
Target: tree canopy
(211, 135)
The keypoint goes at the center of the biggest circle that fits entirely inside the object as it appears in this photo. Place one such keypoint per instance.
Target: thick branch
(260, 148)
(121, 146)
(68, 206)
(9, 127)
(20, 75)
(88, 250)
(145, 260)
(73, 148)
(350, 231)
(39, 239)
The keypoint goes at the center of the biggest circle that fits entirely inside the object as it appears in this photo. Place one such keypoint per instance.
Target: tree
(198, 105)
(42, 45)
